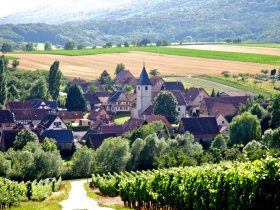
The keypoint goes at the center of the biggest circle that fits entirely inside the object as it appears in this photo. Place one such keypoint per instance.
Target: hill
(119, 21)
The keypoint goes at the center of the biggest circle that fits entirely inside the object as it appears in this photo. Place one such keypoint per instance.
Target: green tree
(81, 46)
(219, 143)
(190, 147)
(144, 42)
(112, 156)
(29, 46)
(39, 90)
(175, 157)
(126, 44)
(83, 162)
(92, 89)
(255, 150)
(70, 45)
(5, 165)
(3, 81)
(54, 80)
(15, 63)
(120, 67)
(154, 72)
(48, 46)
(13, 92)
(75, 99)
(106, 81)
(49, 145)
(213, 93)
(271, 138)
(244, 128)
(166, 105)
(257, 110)
(107, 45)
(127, 88)
(23, 137)
(6, 47)
(136, 149)
(275, 119)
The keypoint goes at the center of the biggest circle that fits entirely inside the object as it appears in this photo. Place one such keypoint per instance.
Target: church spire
(144, 78)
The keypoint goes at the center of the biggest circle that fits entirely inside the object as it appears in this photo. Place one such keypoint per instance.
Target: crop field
(195, 53)
(91, 66)
(234, 48)
(200, 82)
(260, 45)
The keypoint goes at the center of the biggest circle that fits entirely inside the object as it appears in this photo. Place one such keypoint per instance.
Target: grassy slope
(232, 56)
(120, 119)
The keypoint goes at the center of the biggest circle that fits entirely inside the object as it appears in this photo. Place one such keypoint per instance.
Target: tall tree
(54, 80)
(275, 119)
(3, 82)
(6, 47)
(106, 81)
(39, 90)
(23, 137)
(75, 100)
(166, 105)
(48, 46)
(29, 46)
(120, 67)
(15, 64)
(244, 128)
(70, 45)
(154, 72)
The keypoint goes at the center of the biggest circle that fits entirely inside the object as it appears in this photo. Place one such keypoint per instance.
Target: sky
(14, 6)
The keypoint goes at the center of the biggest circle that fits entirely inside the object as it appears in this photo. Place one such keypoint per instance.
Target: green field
(206, 84)
(232, 56)
(120, 119)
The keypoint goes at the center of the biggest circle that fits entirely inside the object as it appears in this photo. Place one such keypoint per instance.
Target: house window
(146, 87)
(57, 124)
(179, 109)
(223, 122)
(121, 108)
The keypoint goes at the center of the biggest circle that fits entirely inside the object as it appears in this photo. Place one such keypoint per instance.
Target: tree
(15, 63)
(213, 93)
(127, 88)
(107, 45)
(154, 72)
(112, 155)
(275, 118)
(49, 145)
(271, 138)
(92, 89)
(126, 44)
(219, 143)
(190, 147)
(255, 150)
(6, 47)
(136, 149)
(70, 45)
(75, 99)
(81, 46)
(106, 80)
(23, 137)
(166, 105)
(39, 90)
(13, 92)
(120, 67)
(29, 46)
(145, 42)
(5, 165)
(54, 80)
(83, 162)
(3, 82)
(244, 128)
(48, 46)
(257, 110)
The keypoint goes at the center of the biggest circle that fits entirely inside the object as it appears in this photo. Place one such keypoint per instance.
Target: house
(204, 129)
(40, 104)
(96, 139)
(154, 118)
(125, 78)
(133, 123)
(119, 103)
(157, 83)
(100, 114)
(29, 117)
(92, 101)
(85, 122)
(132, 99)
(103, 97)
(228, 106)
(7, 120)
(148, 112)
(117, 129)
(194, 98)
(64, 139)
(85, 85)
(169, 86)
(52, 122)
(71, 115)
(13, 105)
(182, 105)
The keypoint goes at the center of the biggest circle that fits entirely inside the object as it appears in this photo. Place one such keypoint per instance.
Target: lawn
(51, 203)
(201, 82)
(231, 56)
(120, 119)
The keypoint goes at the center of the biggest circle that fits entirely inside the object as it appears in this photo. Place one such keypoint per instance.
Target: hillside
(119, 21)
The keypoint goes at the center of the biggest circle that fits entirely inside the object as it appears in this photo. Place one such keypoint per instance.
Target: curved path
(78, 199)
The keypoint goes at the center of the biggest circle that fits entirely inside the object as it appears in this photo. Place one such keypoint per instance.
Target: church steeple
(144, 78)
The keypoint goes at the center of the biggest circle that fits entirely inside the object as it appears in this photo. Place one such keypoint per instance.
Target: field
(235, 48)
(90, 66)
(206, 84)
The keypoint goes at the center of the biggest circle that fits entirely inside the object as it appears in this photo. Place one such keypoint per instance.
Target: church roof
(144, 79)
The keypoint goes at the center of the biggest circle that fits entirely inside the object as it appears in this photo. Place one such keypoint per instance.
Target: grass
(241, 85)
(202, 83)
(209, 54)
(51, 203)
(97, 197)
(120, 119)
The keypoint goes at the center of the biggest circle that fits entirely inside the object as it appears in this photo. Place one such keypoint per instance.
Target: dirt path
(78, 199)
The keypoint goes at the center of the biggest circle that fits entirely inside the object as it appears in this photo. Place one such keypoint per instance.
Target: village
(198, 113)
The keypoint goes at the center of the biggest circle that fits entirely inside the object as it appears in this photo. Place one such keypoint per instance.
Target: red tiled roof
(179, 97)
(125, 77)
(117, 129)
(133, 123)
(71, 115)
(192, 93)
(157, 83)
(29, 114)
(161, 118)
(11, 105)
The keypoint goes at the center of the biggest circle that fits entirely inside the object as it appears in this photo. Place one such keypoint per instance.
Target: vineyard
(12, 193)
(221, 186)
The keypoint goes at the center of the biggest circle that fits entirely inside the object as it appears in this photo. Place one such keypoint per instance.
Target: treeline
(222, 186)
